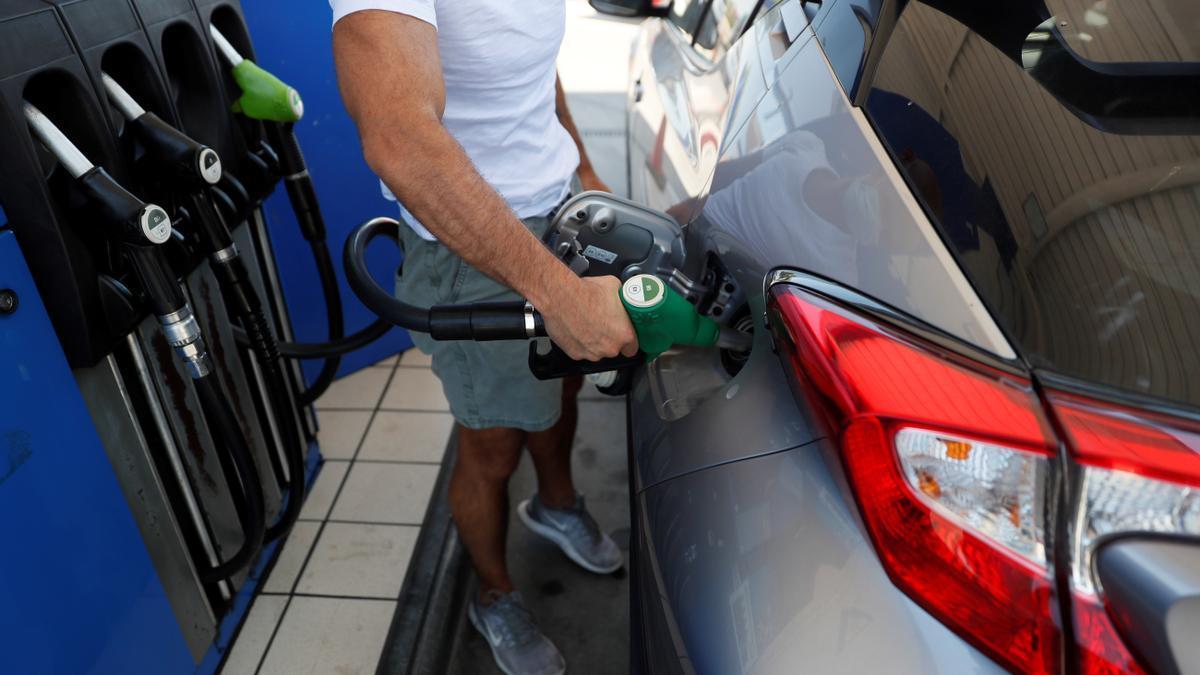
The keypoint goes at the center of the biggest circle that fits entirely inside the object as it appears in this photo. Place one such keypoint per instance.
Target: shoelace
(514, 623)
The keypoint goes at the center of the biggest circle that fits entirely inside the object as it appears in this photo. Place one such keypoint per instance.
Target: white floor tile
(415, 389)
(357, 391)
(322, 636)
(256, 633)
(407, 436)
(320, 496)
(365, 561)
(389, 362)
(341, 431)
(386, 493)
(416, 358)
(291, 559)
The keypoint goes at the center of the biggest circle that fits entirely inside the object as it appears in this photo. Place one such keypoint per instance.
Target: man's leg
(557, 512)
(479, 500)
(551, 451)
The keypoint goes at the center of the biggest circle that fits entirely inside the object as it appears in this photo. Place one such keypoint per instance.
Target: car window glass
(1069, 191)
(843, 28)
(723, 24)
(1110, 31)
(687, 14)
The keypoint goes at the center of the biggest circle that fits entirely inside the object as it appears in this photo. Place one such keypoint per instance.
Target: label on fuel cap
(643, 290)
(210, 166)
(156, 224)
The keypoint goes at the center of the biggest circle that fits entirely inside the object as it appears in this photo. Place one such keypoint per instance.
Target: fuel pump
(140, 230)
(267, 99)
(594, 234)
(194, 169)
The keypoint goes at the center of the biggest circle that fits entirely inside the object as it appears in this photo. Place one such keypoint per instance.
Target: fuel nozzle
(264, 96)
(662, 319)
(170, 148)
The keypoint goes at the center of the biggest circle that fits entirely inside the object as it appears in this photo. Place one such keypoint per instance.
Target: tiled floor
(327, 605)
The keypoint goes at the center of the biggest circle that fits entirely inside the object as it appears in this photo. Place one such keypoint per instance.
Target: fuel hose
(239, 293)
(480, 321)
(223, 422)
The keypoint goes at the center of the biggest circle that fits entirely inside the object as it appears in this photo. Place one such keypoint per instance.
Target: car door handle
(638, 91)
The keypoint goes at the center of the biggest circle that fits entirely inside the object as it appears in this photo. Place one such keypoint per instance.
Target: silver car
(966, 234)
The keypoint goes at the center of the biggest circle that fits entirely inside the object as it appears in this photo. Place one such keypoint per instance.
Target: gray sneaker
(517, 645)
(575, 532)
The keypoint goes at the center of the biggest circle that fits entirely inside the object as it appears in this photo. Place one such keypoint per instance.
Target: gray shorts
(488, 384)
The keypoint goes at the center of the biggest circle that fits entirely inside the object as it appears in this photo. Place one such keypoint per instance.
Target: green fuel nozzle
(264, 96)
(662, 319)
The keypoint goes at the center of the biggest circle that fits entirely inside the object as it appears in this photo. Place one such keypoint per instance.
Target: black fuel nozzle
(121, 214)
(189, 162)
(171, 150)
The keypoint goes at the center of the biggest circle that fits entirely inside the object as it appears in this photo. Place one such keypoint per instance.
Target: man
(456, 103)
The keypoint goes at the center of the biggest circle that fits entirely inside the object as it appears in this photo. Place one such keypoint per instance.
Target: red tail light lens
(1139, 474)
(948, 460)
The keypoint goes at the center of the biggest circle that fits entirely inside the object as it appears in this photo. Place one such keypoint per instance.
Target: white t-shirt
(498, 64)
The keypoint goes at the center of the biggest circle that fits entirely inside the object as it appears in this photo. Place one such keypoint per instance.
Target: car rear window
(1059, 155)
(1115, 31)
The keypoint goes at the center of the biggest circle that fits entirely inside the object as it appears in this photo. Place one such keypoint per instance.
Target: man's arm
(390, 77)
(587, 173)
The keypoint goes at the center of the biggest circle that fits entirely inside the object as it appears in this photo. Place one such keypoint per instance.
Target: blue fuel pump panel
(78, 592)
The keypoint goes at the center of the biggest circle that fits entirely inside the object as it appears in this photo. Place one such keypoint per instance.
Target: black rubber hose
(320, 350)
(225, 429)
(258, 329)
(478, 321)
(385, 305)
(240, 296)
(302, 195)
(337, 323)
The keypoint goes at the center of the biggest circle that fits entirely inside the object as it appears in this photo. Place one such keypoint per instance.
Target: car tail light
(949, 461)
(1140, 474)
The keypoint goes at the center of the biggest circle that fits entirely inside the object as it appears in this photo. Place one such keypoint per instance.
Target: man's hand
(588, 180)
(588, 321)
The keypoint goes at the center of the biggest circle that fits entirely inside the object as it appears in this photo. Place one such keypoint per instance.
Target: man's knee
(489, 454)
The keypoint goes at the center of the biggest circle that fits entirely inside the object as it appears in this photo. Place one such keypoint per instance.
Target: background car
(967, 438)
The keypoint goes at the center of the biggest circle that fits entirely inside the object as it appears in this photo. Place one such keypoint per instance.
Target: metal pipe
(56, 142)
(121, 98)
(231, 55)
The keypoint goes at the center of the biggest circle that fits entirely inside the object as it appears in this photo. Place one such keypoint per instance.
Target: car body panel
(761, 567)
(758, 398)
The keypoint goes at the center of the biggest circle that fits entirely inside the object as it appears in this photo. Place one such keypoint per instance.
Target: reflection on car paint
(774, 222)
